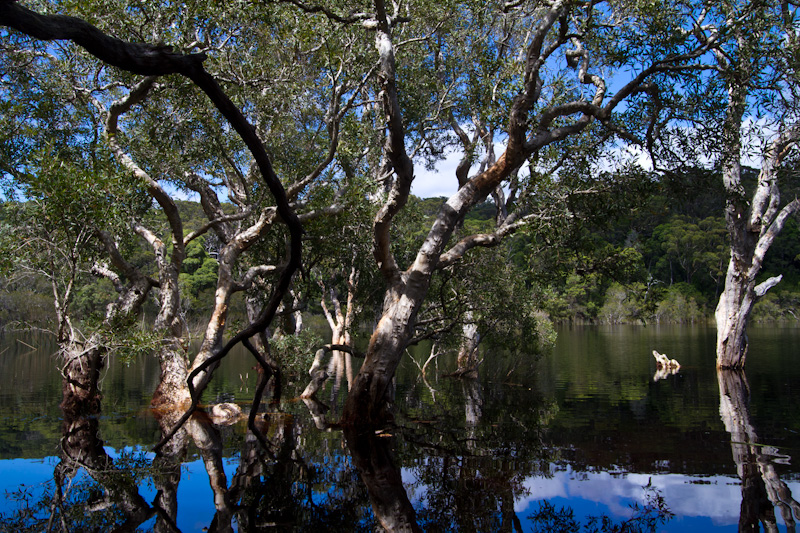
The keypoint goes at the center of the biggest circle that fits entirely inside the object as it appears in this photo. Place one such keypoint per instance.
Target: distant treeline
(661, 257)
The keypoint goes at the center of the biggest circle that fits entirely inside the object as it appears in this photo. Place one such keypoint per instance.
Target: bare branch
(220, 220)
(247, 280)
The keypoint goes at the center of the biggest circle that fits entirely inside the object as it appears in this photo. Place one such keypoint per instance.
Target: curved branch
(165, 201)
(350, 18)
(138, 58)
(219, 220)
(250, 276)
(394, 148)
(484, 240)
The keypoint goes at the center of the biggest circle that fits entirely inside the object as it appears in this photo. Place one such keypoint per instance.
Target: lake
(588, 436)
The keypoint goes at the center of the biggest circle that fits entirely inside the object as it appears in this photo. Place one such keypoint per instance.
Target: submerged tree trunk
(467, 359)
(83, 362)
(752, 222)
(733, 310)
(340, 320)
(84, 359)
(371, 397)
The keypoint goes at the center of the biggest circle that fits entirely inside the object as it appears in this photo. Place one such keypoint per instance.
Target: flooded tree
(541, 85)
(528, 96)
(745, 115)
(135, 114)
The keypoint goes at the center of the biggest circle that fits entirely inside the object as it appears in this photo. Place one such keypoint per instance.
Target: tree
(572, 41)
(536, 78)
(750, 92)
(695, 246)
(155, 61)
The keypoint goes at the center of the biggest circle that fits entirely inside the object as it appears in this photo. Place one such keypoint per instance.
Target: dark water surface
(532, 446)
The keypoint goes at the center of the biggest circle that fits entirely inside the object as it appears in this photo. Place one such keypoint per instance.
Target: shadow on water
(462, 455)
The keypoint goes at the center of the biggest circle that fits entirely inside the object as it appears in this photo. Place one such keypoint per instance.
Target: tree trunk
(468, 352)
(213, 339)
(752, 222)
(734, 307)
(83, 362)
(172, 391)
(371, 397)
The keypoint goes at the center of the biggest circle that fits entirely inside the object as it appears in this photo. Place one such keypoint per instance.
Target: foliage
(679, 305)
(645, 518)
(198, 279)
(296, 352)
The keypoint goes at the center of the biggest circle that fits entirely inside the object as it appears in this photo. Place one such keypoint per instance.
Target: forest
(180, 178)
(662, 261)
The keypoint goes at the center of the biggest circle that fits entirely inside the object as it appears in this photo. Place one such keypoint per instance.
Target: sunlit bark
(370, 397)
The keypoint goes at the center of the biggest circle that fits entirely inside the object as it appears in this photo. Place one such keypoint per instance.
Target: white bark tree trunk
(532, 126)
(467, 359)
(752, 227)
(753, 223)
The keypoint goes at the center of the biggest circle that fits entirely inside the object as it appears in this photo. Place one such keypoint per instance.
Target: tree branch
(484, 240)
(394, 148)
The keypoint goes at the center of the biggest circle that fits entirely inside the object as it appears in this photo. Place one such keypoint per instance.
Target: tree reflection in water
(465, 465)
(762, 489)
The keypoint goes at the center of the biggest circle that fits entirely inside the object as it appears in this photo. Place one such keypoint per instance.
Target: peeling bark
(83, 362)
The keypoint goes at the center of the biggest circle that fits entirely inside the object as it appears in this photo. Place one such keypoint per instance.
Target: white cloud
(718, 498)
(441, 181)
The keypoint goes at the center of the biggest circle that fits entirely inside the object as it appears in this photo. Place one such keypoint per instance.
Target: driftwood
(664, 366)
(662, 361)
(225, 414)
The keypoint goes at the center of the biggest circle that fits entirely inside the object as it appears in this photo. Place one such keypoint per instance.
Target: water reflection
(490, 455)
(372, 455)
(277, 487)
(762, 488)
(114, 502)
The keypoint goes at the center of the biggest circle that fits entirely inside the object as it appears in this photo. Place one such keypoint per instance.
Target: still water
(584, 435)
